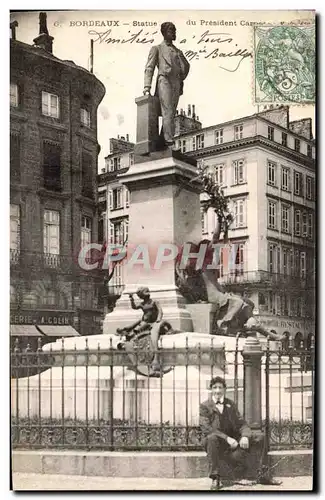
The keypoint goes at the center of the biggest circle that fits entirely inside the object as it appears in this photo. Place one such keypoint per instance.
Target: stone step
(144, 464)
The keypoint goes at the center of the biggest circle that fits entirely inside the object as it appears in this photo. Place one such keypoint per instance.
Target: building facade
(53, 192)
(265, 165)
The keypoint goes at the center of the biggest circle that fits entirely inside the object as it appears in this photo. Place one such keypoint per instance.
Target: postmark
(284, 64)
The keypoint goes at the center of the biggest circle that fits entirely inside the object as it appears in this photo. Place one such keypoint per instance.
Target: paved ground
(22, 481)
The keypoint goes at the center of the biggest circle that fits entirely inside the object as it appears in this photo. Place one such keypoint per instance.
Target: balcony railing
(266, 277)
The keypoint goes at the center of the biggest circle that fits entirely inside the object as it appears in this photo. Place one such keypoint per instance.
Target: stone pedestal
(164, 210)
(202, 317)
(147, 124)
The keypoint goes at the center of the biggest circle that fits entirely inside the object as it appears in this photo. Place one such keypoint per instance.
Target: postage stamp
(284, 64)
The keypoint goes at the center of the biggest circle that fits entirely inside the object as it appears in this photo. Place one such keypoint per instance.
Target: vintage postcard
(162, 250)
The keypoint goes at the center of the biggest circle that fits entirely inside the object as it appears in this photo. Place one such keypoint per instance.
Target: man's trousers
(168, 92)
(218, 449)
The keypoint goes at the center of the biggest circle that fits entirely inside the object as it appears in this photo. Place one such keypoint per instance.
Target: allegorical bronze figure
(234, 313)
(150, 325)
(173, 68)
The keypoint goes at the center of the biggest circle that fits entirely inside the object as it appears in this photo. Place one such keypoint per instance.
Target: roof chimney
(189, 110)
(127, 137)
(43, 40)
(193, 111)
(13, 27)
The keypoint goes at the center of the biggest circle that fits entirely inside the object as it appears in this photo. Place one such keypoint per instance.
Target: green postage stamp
(284, 64)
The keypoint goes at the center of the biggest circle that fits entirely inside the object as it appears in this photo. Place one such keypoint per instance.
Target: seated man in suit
(226, 434)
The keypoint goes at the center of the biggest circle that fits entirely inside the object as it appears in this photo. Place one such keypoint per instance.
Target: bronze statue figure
(151, 324)
(234, 313)
(173, 68)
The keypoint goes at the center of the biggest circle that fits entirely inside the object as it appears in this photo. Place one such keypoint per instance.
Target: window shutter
(193, 144)
(45, 103)
(110, 197)
(127, 197)
(111, 233)
(235, 172)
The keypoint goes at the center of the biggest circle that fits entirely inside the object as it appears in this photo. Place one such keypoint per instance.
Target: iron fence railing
(98, 398)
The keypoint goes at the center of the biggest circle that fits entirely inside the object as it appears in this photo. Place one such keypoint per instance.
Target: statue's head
(143, 292)
(168, 31)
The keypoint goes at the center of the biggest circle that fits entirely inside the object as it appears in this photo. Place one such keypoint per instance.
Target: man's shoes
(216, 484)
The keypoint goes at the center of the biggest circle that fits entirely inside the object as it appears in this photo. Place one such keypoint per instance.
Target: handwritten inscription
(106, 37)
(206, 45)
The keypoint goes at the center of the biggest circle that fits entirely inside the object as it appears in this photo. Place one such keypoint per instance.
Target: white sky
(219, 95)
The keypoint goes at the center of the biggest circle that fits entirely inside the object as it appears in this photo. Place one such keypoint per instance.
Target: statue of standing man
(173, 68)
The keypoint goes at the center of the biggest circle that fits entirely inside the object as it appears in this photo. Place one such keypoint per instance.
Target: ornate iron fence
(96, 397)
(288, 379)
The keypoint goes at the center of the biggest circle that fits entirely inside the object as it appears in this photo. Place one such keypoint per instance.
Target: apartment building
(53, 192)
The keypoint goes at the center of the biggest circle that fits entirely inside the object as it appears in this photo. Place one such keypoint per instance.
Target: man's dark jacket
(210, 420)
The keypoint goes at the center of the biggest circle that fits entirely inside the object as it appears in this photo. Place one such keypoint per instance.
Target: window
(272, 258)
(116, 233)
(85, 117)
(304, 223)
(14, 157)
(87, 175)
(14, 95)
(182, 145)
(219, 136)
(285, 219)
(298, 184)
(198, 142)
(310, 186)
(310, 225)
(272, 305)
(284, 139)
(239, 261)
(271, 173)
(285, 179)
(272, 214)
(218, 173)
(52, 166)
(14, 227)
(50, 105)
(238, 132)
(86, 224)
(297, 145)
(285, 261)
(115, 195)
(270, 133)
(49, 298)
(302, 264)
(51, 232)
(238, 171)
(239, 213)
(222, 261)
(309, 150)
(204, 221)
(297, 222)
(127, 197)
(116, 163)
